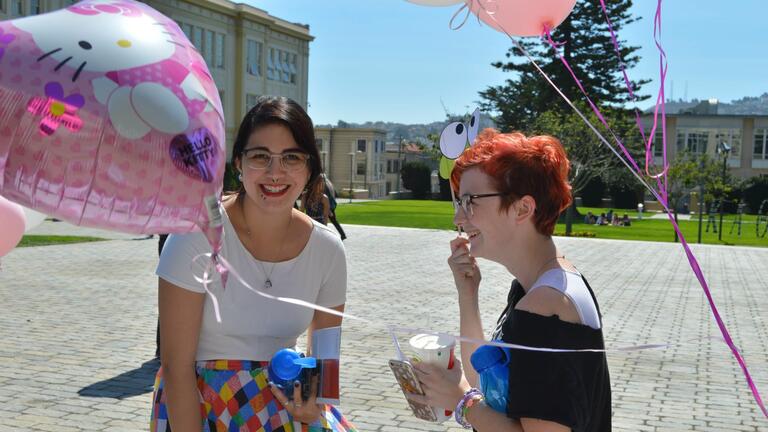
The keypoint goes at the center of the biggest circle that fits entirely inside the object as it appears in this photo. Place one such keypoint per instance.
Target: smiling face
(99, 41)
(273, 188)
(489, 230)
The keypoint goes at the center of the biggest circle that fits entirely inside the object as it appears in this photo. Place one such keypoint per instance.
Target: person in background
(330, 192)
(316, 203)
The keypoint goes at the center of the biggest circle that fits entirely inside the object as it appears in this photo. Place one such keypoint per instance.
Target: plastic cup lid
(431, 342)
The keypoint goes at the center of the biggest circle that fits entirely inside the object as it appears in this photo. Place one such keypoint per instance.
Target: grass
(48, 240)
(439, 215)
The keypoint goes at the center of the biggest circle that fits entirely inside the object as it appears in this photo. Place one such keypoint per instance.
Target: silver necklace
(538, 272)
(268, 280)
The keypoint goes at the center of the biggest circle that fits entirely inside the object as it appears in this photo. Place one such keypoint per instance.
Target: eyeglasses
(466, 201)
(290, 160)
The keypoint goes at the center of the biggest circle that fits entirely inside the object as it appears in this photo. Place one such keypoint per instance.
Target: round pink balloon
(12, 221)
(110, 119)
(522, 17)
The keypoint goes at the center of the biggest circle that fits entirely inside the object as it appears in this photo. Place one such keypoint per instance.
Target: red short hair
(519, 166)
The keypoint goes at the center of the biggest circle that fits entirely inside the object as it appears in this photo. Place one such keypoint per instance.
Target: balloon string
(661, 195)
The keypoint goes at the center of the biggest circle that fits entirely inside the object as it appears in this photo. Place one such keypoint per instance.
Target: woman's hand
(443, 388)
(466, 273)
(304, 412)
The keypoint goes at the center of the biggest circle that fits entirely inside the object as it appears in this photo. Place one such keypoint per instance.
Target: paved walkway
(78, 325)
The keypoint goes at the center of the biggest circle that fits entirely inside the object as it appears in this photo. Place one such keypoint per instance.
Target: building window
(208, 48)
(210, 44)
(361, 145)
(187, 29)
(219, 57)
(17, 8)
(250, 101)
(658, 144)
(294, 70)
(286, 68)
(693, 141)
(393, 166)
(35, 7)
(731, 137)
(319, 143)
(197, 38)
(361, 168)
(281, 66)
(254, 58)
(761, 142)
(271, 68)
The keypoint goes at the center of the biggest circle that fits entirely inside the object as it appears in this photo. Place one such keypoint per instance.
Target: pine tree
(587, 47)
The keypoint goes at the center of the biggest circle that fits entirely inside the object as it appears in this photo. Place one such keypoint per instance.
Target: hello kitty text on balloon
(110, 119)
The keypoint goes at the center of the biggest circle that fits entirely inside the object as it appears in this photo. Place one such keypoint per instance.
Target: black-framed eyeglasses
(259, 158)
(466, 201)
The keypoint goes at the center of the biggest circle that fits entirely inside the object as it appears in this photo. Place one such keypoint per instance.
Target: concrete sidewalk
(78, 325)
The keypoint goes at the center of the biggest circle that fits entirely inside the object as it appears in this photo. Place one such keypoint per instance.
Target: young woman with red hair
(511, 190)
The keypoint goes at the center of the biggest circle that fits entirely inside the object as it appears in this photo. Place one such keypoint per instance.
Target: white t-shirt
(254, 327)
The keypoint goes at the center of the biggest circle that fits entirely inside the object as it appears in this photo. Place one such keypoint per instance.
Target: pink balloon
(109, 118)
(12, 221)
(522, 17)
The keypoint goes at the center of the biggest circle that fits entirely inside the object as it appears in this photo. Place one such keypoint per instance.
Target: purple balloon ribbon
(660, 195)
(661, 178)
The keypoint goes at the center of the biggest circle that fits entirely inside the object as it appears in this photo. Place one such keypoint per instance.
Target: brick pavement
(77, 329)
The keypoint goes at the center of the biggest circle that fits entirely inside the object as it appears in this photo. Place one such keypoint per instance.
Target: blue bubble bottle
(288, 366)
(491, 363)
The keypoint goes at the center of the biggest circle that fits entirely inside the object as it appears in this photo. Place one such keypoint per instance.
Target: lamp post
(351, 173)
(701, 196)
(723, 148)
(399, 151)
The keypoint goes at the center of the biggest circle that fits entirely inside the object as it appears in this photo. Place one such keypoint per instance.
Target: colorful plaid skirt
(234, 396)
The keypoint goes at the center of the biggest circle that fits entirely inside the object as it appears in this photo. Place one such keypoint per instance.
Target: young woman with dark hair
(213, 375)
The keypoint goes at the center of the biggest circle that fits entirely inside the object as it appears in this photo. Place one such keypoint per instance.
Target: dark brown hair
(283, 111)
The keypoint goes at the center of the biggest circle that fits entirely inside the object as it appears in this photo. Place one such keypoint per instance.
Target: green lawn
(439, 214)
(47, 240)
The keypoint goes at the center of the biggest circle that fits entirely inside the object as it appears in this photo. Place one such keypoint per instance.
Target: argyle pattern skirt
(235, 396)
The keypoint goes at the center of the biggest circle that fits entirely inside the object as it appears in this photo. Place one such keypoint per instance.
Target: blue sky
(391, 60)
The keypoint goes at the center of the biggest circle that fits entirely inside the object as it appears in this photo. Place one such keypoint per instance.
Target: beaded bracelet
(470, 398)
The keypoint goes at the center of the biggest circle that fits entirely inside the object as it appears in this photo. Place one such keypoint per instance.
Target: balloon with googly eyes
(110, 119)
(454, 138)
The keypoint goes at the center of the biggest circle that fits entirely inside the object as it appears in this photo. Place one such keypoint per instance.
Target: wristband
(470, 398)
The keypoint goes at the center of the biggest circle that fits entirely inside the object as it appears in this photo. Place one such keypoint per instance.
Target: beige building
(702, 133)
(249, 52)
(354, 158)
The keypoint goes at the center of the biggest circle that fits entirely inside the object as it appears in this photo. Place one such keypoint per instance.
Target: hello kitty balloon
(109, 118)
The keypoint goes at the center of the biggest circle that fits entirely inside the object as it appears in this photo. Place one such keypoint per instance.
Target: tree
(588, 156)
(587, 47)
(755, 191)
(688, 172)
(528, 103)
(416, 178)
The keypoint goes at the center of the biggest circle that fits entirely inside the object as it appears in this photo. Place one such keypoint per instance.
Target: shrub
(416, 178)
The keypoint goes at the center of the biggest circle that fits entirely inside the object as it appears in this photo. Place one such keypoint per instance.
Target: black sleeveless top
(572, 389)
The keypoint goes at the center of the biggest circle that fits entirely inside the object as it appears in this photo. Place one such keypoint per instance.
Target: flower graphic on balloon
(5, 40)
(56, 109)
